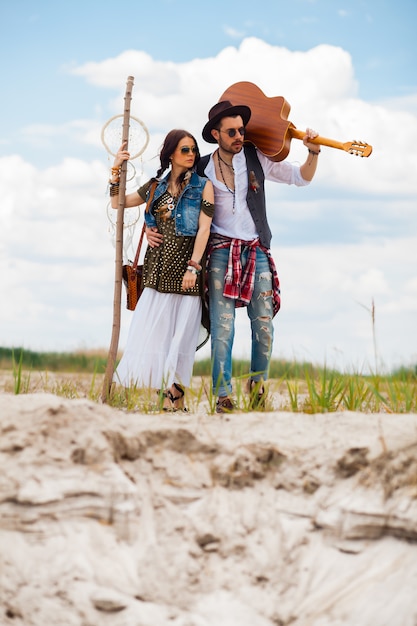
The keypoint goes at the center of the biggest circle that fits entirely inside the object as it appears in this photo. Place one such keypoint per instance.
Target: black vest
(255, 197)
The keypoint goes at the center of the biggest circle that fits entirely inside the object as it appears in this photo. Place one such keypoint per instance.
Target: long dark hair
(169, 146)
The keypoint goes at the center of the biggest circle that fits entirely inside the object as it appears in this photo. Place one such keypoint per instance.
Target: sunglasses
(232, 131)
(187, 149)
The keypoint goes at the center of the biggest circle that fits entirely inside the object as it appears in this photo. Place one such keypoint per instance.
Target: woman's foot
(173, 398)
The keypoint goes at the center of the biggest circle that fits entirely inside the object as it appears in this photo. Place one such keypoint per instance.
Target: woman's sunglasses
(187, 149)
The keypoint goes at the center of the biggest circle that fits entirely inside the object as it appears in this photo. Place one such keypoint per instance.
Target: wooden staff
(114, 344)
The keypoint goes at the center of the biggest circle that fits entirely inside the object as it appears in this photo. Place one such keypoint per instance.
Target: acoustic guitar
(269, 128)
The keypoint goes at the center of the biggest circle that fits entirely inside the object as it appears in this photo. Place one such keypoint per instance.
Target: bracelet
(115, 171)
(114, 189)
(312, 152)
(196, 265)
(192, 269)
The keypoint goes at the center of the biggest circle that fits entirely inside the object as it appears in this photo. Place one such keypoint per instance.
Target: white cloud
(406, 104)
(319, 85)
(327, 295)
(233, 33)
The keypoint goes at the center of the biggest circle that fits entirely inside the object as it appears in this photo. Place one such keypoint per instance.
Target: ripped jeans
(222, 320)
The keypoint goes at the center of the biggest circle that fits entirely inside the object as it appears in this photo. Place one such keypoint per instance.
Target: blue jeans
(222, 320)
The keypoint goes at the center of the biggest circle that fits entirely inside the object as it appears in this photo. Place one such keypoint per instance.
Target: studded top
(165, 266)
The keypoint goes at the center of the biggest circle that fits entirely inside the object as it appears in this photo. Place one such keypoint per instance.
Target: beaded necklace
(225, 162)
(232, 191)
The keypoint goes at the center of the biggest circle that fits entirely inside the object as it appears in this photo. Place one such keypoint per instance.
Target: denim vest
(187, 210)
(255, 198)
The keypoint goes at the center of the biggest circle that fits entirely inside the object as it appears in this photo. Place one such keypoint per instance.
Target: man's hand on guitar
(312, 147)
(308, 168)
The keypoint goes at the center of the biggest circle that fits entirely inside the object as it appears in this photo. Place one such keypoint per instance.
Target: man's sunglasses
(232, 131)
(187, 149)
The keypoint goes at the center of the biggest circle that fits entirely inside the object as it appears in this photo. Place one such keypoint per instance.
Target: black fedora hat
(220, 110)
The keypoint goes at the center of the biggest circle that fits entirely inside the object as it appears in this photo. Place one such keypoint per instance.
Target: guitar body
(268, 127)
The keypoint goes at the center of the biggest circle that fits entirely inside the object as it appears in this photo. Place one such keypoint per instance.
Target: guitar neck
(353, 147)
(322, 141)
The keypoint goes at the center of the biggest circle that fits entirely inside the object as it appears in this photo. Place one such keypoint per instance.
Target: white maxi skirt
(162, 341)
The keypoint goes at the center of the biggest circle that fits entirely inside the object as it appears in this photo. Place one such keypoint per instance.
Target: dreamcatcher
(111, 136)
(138, 139)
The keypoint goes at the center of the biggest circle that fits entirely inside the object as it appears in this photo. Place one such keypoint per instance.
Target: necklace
(232, 191)
(225, 162)
(171, 202)
(167, 205)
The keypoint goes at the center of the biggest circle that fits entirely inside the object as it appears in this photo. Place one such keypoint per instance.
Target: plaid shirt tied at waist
(239, 281)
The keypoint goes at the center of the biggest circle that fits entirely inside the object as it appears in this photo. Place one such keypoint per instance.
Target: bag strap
(148, 204)
(151, 195)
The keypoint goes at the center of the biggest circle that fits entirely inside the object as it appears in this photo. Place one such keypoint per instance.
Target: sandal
(171, 402)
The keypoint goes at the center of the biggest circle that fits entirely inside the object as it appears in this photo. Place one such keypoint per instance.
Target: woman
(165, 327)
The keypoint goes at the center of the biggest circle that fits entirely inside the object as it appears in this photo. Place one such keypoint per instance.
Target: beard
(234, 148)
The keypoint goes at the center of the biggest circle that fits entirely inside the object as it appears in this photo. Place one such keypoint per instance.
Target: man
(241, 271)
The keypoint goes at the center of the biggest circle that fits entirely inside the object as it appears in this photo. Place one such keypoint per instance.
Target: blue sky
(346, 67)
(42, 40)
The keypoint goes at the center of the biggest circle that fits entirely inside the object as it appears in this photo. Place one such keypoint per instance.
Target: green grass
(302, 387)
(54, 361)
